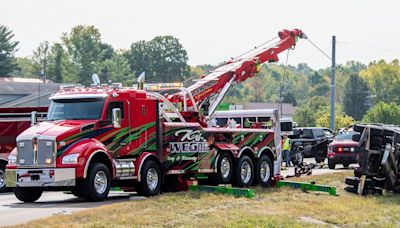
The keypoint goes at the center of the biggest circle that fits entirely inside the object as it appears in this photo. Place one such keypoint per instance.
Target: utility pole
(333, 83)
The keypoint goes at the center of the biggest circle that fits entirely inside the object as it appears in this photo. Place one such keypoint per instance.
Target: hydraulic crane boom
(218, 82)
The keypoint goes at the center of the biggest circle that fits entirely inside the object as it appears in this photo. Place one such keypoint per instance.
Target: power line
(319, 49)
(339, 67)
(366, 46)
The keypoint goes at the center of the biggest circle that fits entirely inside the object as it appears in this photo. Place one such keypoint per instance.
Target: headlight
(70, 159)
(12, 159)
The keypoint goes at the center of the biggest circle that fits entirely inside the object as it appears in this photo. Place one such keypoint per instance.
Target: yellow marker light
(48, 161)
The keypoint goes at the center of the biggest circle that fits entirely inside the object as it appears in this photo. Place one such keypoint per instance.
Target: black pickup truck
(311, 142)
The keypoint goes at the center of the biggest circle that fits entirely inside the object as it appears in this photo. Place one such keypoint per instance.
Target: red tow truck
(13, 121)
(143, 140)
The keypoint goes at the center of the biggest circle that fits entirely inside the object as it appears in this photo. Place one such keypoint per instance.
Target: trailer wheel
(150, 183)
(264, 171)
(97, 184)
(224, 170)
(28, 194)
(3, 187)
(244, 172)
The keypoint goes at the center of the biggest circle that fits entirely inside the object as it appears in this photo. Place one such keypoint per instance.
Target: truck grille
(45, 152)
(25, 152)
(45, 155)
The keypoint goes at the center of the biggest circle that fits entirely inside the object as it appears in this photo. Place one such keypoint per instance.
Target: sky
(212, 31)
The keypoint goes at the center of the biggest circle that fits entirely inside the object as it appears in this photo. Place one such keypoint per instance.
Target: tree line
(364, 93)
(81, 53)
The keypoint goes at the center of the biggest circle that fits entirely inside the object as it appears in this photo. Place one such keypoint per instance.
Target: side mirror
(116, 117)
(33, 118)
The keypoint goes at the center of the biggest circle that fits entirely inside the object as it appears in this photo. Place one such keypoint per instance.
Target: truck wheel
(150, 183)
(3, 187)
(331, 164)
(28, 194)
(264, 171)
(77, 193)
(244, 172)
(346, 165)
(224, 170)
(97, 184)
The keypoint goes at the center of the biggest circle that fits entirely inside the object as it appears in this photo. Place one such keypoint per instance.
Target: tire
(28, 194)
(331, 164)
(264, 171)
(357, 172)
(319, 159)
(346, 165)
(3, 187)
(77, 193)
(351, 189)
(97, 184)
(224, 170)
(244, 172)
(151, 178)
(353, 181)
(297, 157)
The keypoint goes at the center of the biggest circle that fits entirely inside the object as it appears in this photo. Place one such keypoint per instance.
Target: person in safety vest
(286, 149)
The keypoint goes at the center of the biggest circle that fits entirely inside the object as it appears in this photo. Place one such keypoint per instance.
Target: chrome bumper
(56, 177)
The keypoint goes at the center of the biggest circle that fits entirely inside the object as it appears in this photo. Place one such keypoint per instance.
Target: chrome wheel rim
(265, 171)
(152, 178)
(2, 179)
(100, 182)
(225, 167)
(245, 172)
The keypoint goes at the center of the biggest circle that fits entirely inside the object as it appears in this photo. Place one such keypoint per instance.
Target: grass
(270, 208)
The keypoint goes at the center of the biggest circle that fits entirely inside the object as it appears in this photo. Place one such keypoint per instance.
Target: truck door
(120, 141)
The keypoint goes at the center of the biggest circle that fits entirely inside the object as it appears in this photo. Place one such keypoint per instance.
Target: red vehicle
(13, 121)
(343, 150)
(104, 136)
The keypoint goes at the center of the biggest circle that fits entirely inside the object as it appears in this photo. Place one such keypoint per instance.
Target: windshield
(346, 136)
(75, 109)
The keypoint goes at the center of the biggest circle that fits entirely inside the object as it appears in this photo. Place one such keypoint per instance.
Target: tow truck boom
(217, 83)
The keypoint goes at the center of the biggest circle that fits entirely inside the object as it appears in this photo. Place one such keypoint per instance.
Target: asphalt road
(14, 212)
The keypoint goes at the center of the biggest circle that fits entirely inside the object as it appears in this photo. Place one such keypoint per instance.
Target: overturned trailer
(379, 160)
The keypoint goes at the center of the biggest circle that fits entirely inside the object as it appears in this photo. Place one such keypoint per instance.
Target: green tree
(40, 58)
(84, 46)
(341, 120)
(25, 68)
(383, 80)
(57, 63)
(163, 59)
(116, 69)
(386, 113)
(7, 50)
(305, 116)
(356, 97)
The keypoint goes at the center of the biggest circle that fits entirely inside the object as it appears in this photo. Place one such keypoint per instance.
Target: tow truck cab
(83, 126)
